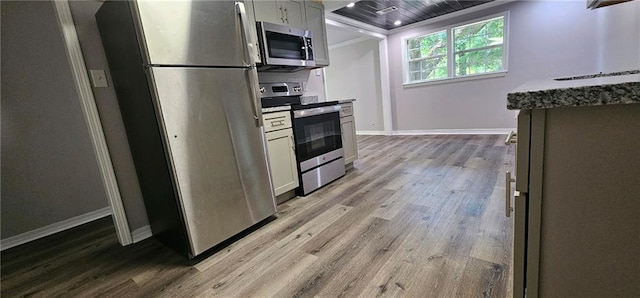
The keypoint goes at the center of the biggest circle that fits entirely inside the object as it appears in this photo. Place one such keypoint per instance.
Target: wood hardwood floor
(418, 216)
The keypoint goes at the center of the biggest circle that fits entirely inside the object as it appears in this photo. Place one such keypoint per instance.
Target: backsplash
(308, 99)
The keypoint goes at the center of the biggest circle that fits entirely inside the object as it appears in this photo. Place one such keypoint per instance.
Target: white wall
(315, 85)
(355, 73)
(619, 34)
(546, 39)
(49, 170)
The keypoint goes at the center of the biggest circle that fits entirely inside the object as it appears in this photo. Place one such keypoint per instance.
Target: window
(428, 57)
(457, 51)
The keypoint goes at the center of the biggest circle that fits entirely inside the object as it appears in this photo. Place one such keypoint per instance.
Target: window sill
(458, 79)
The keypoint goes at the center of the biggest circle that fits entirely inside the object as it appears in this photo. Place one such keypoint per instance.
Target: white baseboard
(54, 228)
(141, 233)
(486, 131)
(369, 132)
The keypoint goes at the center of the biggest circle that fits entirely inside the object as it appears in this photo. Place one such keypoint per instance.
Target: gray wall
(49, 170)
(315, 85)
(84, 18)
(355, 73)
(546, 39)
(619, 31)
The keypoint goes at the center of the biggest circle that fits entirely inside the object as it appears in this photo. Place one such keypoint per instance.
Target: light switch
(99, 78)
(318, 72)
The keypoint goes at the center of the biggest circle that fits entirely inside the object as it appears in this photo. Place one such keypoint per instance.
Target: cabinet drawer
(346, 109)
(276, 121)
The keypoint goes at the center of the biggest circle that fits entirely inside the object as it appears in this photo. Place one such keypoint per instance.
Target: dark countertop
(576, 91)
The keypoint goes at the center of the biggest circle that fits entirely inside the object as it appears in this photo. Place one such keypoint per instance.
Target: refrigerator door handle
(255, 98)
(250, 50)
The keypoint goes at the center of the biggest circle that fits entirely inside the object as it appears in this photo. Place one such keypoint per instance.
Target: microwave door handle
(306, 48)
(249, 49)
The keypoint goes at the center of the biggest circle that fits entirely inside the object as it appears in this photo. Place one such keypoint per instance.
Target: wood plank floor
(418, 216)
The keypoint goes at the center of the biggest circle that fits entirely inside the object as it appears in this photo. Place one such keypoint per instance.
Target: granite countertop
(588, 90)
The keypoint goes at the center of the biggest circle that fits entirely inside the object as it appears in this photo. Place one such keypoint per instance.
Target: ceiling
(407, 11)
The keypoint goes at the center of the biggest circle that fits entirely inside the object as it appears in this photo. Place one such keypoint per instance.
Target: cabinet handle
(281, 14)
(512, 138)
(508, 181)
(286, 15)
(277, 123)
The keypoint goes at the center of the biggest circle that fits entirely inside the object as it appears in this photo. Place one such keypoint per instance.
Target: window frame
(451, 77)
(409, 60)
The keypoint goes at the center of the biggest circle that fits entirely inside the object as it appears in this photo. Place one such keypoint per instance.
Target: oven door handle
(315, 111)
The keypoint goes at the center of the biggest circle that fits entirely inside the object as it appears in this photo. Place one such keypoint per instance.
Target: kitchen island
(577, 91)
(577, 199)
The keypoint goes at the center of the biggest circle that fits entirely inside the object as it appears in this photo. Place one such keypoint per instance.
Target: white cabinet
(348, 127)
(290, 13)
(316, 24)
(281, 151)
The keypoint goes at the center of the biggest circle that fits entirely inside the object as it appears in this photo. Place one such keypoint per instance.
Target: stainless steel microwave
(285, 48)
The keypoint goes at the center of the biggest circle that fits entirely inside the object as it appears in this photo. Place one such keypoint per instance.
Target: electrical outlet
(99, 78)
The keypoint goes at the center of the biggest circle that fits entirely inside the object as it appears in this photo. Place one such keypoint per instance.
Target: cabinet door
(519, 243)
(268, 11)
(282, 160)
(293, 13)
(349, 139)
(316, 24)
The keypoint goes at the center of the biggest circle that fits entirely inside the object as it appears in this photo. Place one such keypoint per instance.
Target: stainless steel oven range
(318, 139)
(317, 134)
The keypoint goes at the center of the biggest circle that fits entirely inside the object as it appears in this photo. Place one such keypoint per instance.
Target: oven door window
(317, 135)
(284, 46)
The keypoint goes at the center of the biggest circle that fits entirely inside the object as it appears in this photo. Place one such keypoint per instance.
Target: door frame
(92, 119)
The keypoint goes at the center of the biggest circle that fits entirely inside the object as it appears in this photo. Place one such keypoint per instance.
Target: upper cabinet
(593, 4)
(316, 24)
(290, 13)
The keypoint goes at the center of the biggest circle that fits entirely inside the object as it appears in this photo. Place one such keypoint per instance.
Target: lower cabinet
(348, 127)
(281, 151)
(577, 224)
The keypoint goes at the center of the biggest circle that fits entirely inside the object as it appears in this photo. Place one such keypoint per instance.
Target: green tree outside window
(475, 48)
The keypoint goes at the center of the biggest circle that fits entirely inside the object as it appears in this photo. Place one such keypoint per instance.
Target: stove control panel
(280, 89)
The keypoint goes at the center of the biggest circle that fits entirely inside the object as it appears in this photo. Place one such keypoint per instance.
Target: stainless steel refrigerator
(184, 74)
